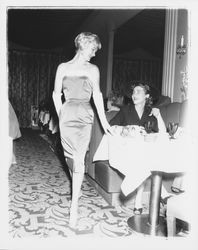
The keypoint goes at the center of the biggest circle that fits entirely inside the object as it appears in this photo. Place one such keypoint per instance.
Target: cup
(148, 127)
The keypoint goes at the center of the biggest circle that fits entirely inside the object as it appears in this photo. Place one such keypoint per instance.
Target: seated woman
(139, 112)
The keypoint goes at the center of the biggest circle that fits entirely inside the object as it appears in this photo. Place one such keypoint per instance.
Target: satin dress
(76, 119)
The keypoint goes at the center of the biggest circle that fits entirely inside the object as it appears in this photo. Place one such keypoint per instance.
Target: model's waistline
(78, 101)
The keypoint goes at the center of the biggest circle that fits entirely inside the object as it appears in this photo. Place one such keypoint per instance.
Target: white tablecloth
(53, 125)
(44, 117)
(136, 158)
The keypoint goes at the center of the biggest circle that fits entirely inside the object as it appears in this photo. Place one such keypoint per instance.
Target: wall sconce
(181, 48)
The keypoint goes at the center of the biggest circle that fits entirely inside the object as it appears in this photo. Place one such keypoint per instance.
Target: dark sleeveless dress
(76, 119)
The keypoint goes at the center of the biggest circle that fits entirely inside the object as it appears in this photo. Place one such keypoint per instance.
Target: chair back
(171, 112)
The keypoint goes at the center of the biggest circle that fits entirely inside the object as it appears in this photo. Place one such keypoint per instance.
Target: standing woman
(78, 79)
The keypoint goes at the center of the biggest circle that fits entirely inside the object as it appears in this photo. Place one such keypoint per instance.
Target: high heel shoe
(137, 211)
(176, 190)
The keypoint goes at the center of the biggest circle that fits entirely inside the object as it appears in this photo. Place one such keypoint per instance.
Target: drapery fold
(31, 78)
(126, 71)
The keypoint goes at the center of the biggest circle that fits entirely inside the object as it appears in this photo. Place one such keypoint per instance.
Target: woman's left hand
(108, 129)
(155, 112)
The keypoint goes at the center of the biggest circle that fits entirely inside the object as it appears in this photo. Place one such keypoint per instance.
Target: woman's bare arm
(98, 98)
(57, 93)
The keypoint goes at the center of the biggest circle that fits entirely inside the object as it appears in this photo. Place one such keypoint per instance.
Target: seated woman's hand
(155, 112)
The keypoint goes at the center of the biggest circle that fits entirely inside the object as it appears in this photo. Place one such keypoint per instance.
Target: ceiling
(47, 29)
(43, 28)
(145, 31)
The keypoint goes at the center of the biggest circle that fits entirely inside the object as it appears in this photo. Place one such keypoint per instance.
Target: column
(110, 61)
(169, 53)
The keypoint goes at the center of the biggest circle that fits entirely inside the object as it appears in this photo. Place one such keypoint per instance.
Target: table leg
(151, 223)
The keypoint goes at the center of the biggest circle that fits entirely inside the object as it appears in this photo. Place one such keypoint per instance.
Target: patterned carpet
(39, 197)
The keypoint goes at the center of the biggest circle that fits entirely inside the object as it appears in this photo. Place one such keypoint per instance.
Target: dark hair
(146, 89)
(116, 98)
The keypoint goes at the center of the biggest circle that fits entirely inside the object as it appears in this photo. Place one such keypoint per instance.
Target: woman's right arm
(57, 93)
(161, 125)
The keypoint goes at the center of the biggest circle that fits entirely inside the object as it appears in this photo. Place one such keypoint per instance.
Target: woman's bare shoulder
(93, 66)
(63, 65)
(93, 69)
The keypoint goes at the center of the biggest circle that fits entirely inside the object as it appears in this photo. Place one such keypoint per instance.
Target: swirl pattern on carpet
(40, 197)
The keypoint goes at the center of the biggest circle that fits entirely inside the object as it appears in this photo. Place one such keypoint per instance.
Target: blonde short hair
(85, 38)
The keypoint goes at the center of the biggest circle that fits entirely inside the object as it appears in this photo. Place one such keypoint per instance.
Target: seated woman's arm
(161, 126)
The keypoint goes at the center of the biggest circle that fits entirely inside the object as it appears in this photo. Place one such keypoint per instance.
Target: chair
(177, 209)
(162, 101)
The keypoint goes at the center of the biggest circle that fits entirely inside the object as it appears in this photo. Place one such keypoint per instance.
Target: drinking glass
(172, 128)
(148, 127)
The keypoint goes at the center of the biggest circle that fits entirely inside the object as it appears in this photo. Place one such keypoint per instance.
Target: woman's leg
(77, 179)
(69, 162)
(13, 154)
(164, 192)
(138, 200)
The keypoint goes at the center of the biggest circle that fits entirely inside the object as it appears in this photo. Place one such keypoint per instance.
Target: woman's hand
(155, 112)
(108, 129)
(161, 125)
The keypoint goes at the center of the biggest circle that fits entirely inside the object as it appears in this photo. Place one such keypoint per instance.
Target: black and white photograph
(99, 128)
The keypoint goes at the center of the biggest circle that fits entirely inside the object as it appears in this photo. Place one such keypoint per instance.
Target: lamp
(181, 48)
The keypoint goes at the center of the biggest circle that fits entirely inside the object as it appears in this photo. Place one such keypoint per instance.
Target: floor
(39, 197)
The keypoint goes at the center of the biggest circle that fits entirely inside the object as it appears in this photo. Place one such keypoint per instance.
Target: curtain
(126, 72)
(31, 79)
